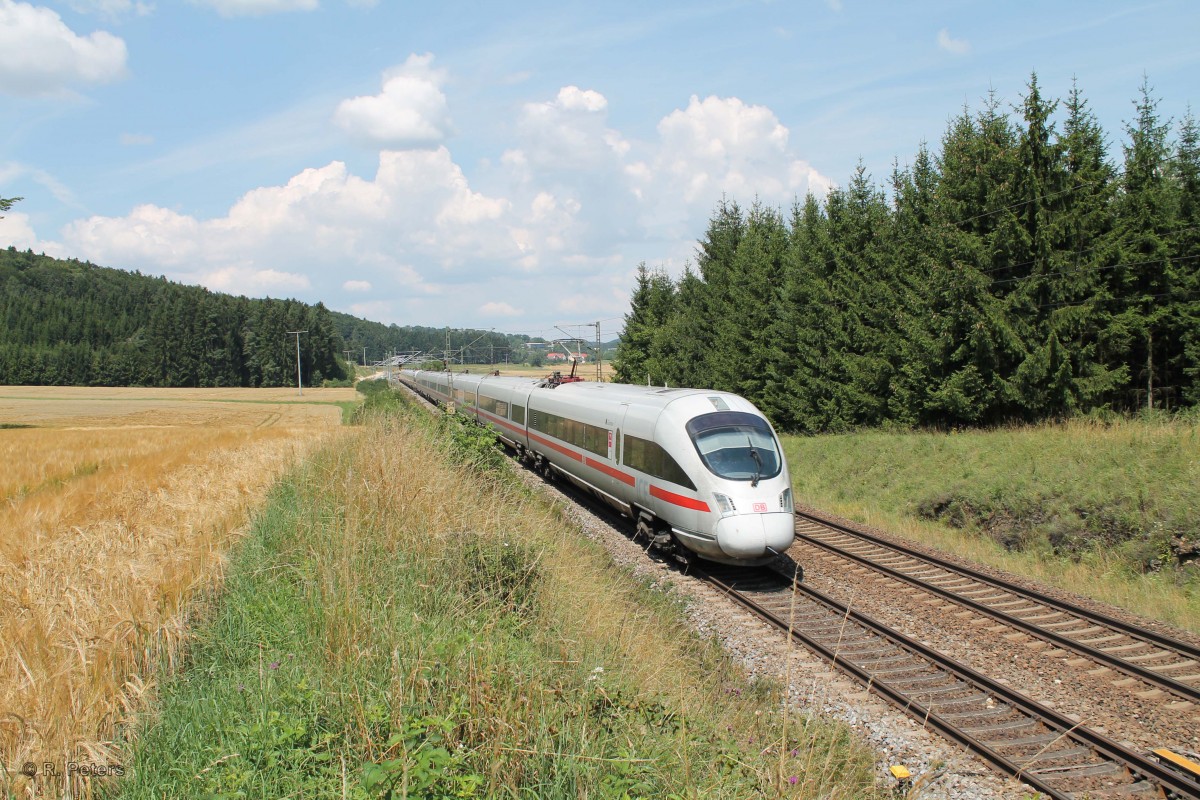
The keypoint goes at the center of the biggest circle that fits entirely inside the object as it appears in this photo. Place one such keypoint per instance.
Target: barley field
(118, 507)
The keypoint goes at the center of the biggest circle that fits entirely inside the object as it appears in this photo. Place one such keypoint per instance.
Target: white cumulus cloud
(418, 208)
(551, 228)
(410, 111)
(569, 132)
(252, 281)
(15, 231)
(40, 55)
(958, 47)
(497, 309)
(720, 147)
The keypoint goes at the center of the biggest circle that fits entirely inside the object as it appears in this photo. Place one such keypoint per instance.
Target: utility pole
(599, 355)
(364, 356)
(299, 386)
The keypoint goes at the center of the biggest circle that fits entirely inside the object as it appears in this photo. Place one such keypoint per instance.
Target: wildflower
(274, 665)
(793, 780)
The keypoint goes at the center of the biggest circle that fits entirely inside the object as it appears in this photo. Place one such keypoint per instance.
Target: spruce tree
(1143, 281)
(1185, 256)
(715, 262)
(1081, 312)
(799, 394)
(915, 251)
(633, 350)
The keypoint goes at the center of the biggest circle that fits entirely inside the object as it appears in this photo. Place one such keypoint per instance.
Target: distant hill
(75, 323)
(70, 322)
(479, 347)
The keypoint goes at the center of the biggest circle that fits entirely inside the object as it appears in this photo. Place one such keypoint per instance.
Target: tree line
(381, 340)
(75, 323)
(70, 322)
(1015, 274)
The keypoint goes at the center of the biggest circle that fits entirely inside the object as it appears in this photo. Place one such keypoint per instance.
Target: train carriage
(695, 468)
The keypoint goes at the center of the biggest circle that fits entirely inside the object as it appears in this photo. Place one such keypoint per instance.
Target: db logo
(760, 508)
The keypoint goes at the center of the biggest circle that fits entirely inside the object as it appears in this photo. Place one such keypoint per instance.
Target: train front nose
(747, 536)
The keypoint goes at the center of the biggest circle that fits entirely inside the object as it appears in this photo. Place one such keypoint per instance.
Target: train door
(518, 412)
(638, 427)
(615, 424)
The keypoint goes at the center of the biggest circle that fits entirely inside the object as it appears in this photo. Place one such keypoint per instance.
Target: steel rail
(1146, 674)
(1162, 776)
(1147, 636)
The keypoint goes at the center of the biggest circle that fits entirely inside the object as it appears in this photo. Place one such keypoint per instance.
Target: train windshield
(736, 445)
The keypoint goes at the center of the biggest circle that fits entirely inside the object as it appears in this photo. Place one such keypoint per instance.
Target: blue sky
(498, 165)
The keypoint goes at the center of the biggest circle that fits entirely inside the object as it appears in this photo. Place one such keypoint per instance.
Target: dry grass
(117, 509)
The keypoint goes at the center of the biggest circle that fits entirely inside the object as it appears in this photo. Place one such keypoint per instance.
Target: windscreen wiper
(757, 461)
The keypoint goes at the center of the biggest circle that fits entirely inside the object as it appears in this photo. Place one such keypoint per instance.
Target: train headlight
(785, 500)
(725, 505)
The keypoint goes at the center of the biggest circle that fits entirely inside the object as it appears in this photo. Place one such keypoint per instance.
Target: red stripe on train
(607, 470)
(501, 421)
(678, 499)
(591, 462)
(566, 451)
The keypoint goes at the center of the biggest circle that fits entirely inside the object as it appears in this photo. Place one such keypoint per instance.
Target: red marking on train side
(678, 499)
(591, 462)
(760, 508)
(612, 473)
(501, 421)
(566, 451)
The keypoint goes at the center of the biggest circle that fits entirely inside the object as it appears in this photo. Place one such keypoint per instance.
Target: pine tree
(1081, 312)
(1042, 382)
(633, 350)
(744, 349)
(862, 333)
(802, 397)
(688, 332)
(915, 250)
(1185, 256)
(1143, 281)
(715, 261)
(980, 240)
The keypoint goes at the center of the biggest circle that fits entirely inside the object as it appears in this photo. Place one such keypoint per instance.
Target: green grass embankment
(400, 621)
(1103, 509)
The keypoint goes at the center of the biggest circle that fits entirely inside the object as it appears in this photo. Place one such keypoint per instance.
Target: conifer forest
(1013, 273)
(73, 323)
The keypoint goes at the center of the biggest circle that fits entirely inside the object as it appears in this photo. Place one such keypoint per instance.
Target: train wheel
(644, 532)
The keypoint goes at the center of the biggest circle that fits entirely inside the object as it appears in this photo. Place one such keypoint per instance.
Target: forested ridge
(69, 322)
(75, 323)
(1015, 274)
(471, 346)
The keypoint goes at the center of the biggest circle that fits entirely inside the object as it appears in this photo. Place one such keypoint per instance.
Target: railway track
(1159, 661)
(1048, 751)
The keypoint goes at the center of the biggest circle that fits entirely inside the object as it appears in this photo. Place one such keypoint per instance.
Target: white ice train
(695, 468)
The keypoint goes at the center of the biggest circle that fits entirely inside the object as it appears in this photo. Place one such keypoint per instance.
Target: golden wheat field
(118, 505)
